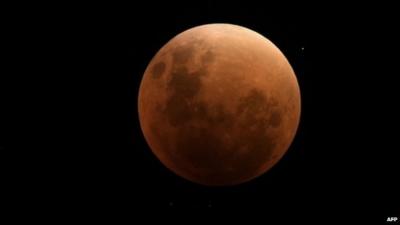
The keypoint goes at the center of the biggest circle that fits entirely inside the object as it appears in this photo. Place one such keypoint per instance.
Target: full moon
(219, 104)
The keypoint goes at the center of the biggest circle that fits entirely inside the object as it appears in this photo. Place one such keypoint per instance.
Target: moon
(219, 104)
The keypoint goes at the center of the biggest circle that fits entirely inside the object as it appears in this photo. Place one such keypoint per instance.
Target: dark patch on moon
(218, 116)
(182, 54)
(184, 86)
(200, 148)
(259, 145)
(176, 111)
(254, 102)
(208, 57)
(257, 114)
(256, 107)
(158, 70)
(183, 83)
(275, 118)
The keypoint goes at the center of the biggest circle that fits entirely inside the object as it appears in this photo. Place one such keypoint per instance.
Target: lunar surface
(219, 104)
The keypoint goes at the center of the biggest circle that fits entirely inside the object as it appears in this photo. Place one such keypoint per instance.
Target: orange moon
(219, 104)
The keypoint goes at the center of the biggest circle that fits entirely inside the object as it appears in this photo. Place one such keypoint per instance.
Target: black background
(74, 133)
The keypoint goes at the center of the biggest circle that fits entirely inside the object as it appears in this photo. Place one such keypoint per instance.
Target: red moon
(219, 104)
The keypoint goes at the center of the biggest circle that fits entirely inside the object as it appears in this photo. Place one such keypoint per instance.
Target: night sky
(77, 131)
